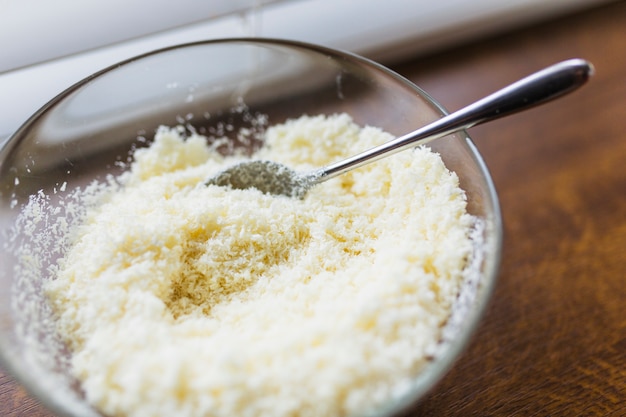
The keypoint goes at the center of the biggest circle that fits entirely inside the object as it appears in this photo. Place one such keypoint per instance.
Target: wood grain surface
(553, 341)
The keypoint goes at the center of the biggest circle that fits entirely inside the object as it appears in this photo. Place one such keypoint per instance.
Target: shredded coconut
(181, 299)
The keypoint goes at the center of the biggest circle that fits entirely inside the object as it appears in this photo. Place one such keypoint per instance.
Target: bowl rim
(426, 380)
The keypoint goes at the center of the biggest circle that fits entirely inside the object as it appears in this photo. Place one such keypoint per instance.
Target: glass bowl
(88, 131)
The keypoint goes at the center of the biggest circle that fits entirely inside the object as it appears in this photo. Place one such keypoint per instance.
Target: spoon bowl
(538, 88)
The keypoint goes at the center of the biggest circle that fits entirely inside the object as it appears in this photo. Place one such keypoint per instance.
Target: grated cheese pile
(180, 299)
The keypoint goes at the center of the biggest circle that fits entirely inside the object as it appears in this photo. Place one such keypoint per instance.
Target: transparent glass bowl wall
(85, 132)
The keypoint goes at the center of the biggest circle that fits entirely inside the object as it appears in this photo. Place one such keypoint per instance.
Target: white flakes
(187, 300)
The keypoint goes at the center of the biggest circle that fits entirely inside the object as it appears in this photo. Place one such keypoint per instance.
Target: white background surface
(48, 45)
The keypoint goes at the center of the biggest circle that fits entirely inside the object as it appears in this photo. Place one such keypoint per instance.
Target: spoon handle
(538, 88)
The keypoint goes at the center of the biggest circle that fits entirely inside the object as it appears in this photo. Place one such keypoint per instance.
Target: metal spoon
(540, 87)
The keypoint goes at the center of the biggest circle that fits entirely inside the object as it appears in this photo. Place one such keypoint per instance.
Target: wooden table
(553, 342)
